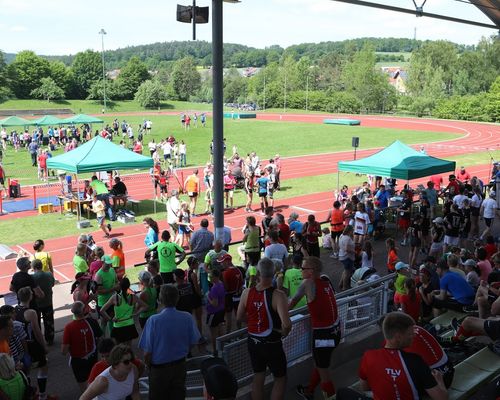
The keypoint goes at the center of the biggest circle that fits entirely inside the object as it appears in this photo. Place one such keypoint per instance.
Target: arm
(442, 295)
(301, 291)
(439, 391)
(32, 318)
(281, 307)
(135, 392)
(240, 314)
(109, 303)
(140, 305)
(64, 349)
(99, 386)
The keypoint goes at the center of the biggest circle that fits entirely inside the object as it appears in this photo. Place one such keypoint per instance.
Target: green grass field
(265, 137)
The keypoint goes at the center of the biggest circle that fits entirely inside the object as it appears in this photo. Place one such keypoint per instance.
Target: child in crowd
(392, 255)
(402, 272)
(367, 255)
(411, 301)
(327, 239)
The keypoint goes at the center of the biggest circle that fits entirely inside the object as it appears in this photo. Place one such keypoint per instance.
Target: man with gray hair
(166, 341)
(266, 312)
(80, 341)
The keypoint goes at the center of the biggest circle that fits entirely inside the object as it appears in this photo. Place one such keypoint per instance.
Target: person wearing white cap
(488, 211)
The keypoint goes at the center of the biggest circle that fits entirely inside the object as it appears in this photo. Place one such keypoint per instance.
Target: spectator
(251, 241)
(148, 295)
(201, 240)
(192, 188)
(43, 256)
(96, 262)
(268, 219)
(45, 307)
(452, 223)
(167, 256)
(284, 230)
(293, 279)
(126, 306)
(117, 257)
(437, 236)
(104, 348)
(80, 289)
(266, 313)
(216, 306)
(107, 284)
(173, 206)
(18, 346)
(325, 324)
(276, 250)
(455, 292)
(346, 257)
(22, 279)
(37, 348)
(80, 341)
(262, 184)
(311, 231)
(472, 276)
(13, 384)
(382, 198)
(294, 223)
(233, 279)
(154, 269)
(119, 380)
(488, 210)
(226, 237)
(483, 264)
(393, 373)
(410, 301)
(166, 341)
(119, 192)
(79, 259)
(198, 292)
(336, 218)
(220, 382)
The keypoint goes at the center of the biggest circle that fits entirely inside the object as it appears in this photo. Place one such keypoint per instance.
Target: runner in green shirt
(293, 279)
(79, 261)
(98, 186)
(166, 255)
(107, 284)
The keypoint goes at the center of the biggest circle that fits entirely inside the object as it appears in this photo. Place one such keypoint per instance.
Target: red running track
(477, 136)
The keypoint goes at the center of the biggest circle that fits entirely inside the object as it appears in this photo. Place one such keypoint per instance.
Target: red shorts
(404, 224)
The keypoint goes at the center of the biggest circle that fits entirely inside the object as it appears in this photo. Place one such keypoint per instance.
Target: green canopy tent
(398, 161)
(99, 154)
(82, 119)
(47, 120)
(15, 121)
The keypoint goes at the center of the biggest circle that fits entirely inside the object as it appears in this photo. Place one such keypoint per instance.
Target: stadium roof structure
(491, 8)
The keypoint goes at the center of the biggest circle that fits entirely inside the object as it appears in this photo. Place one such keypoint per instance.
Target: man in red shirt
(437, 180)
(325, 325)
(463, 176)
(233, 280)
(79, 340)
(453, 186)
(42, 164)
(391, 372)
(266, 313)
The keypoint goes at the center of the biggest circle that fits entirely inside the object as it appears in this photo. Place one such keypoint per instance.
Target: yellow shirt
(44, 257)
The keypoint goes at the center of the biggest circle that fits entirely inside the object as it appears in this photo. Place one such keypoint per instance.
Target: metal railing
(358, 308)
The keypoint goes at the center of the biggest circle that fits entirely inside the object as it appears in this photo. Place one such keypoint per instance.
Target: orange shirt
(118, 258)
(392, 259)
(4, 347)
(192, 184)
(337, 220)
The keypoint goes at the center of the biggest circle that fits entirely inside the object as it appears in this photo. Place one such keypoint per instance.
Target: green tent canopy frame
(15, 121)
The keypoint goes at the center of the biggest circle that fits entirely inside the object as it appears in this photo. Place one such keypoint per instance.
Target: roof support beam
(413, 12)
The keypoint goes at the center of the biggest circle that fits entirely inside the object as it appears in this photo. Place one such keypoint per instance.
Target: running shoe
(109, 227)
(302, 391)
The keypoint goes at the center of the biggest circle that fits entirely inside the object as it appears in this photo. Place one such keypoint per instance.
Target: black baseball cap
(220, 382)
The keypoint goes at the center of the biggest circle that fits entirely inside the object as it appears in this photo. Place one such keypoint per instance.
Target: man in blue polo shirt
(382, 196)
(455, 292)
(166, 341)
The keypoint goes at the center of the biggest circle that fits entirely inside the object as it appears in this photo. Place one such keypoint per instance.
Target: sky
(61, 27)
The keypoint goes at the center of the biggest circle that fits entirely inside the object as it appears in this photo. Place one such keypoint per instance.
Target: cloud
(18, 28)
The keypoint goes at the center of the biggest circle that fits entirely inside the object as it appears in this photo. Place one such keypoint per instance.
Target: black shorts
(232, 302)
(2, 182)
(474, 211)
(193, 195)
(263, 194)
(37, 353)
(488, 221)
(267, 354)
(492, 329)
(252, 257)
(82, 366)
(124, 333)
(335, 234)
(324, 342)
(214, 320)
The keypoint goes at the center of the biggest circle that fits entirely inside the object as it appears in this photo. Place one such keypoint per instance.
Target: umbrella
(14, 121)
(47, 120)
(82, 119)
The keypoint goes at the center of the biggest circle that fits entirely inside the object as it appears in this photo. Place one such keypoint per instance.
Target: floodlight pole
(218, 117)
(102, 32)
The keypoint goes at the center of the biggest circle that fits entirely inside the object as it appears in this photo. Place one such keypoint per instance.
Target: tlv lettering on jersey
(393, 373)
(258, 305)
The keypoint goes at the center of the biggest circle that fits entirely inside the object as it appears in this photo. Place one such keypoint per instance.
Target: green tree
(151, 93)
(185, 79)
(26, 72)
(5, 91)
(61, 75)
(96, 91)
(131, 77)
(235, 86)
(48, 90)
(87, 69)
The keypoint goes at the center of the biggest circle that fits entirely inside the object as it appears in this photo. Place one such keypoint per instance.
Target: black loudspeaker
(355, 141)
(185, 14)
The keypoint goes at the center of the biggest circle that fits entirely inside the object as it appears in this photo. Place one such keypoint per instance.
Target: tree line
(330, 76)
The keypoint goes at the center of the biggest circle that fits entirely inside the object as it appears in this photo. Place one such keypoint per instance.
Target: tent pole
(78, 197)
